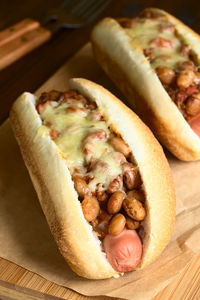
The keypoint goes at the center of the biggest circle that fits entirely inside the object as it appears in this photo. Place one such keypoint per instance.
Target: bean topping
(92, 105)
(185, 78)
(119, 158)
(165, 74)
(96, 116)
(104, 217)
(80, 110)
(101, 196)
(72, 97)
(197, 78)
(134, 209)
(115, 185)
(131, 176)
(54, 134)
(80, 186)
(117, 224)
(115, 202)
(93, 137)
(90, 208)
(120, 146)
(42, 106)
(170, 56)
(50, 96)
(137, 194)
(96, 135)
(149, 14)
(148, 52)
(187, 65)
(127, 22)
(169, 28)
(160, 43)
(103, 175)
(132, 224)
(184, 50)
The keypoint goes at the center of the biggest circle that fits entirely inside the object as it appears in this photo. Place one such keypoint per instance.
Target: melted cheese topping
(147, 30)
(74, 128)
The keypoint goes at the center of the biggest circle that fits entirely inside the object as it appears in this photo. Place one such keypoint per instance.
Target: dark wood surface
(28, 73)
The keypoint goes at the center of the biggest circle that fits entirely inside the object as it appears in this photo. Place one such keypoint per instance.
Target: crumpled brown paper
(25, 238)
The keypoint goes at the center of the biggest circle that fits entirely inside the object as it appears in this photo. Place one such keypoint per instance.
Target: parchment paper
(25, 238)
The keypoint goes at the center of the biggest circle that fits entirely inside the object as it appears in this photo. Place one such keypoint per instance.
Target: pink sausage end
(123, 251)
(195, 125)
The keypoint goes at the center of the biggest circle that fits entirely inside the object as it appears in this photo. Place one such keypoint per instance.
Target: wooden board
(18, 283)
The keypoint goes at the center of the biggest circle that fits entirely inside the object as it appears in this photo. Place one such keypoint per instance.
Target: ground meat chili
(171, 58)
(101, 164)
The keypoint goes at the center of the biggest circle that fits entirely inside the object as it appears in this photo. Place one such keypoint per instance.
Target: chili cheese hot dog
(154, 59)
(101, 177)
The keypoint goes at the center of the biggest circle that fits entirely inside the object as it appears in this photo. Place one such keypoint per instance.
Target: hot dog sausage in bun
(155, 59)
(101, 177)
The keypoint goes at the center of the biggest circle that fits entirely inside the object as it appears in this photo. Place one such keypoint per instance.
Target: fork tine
(91, 4)
(81, 6)
(92, 9)
(79, 13)
(67, 4)
(94, 13)
(100, 10)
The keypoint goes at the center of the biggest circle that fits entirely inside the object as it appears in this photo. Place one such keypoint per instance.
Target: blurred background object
(29, 72)
(21, 38)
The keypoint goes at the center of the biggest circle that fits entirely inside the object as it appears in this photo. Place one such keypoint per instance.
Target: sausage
(74, 216)
(123, 251)
(192, 105)
(195, 125)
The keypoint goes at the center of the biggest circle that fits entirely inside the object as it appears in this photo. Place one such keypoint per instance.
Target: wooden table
(18, 283)
(28, 74)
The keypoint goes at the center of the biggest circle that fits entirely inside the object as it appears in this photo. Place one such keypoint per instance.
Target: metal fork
(28, 34)
(74, 14)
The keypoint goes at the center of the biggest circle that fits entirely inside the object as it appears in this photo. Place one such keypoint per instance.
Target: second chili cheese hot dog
(102, 179)
(154, 59)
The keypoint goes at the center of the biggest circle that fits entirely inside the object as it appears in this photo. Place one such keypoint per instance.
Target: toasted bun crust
(59, 200)
(123, 60)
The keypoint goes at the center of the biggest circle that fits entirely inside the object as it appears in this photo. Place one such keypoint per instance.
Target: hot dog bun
(55, 188)
(123, 60)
